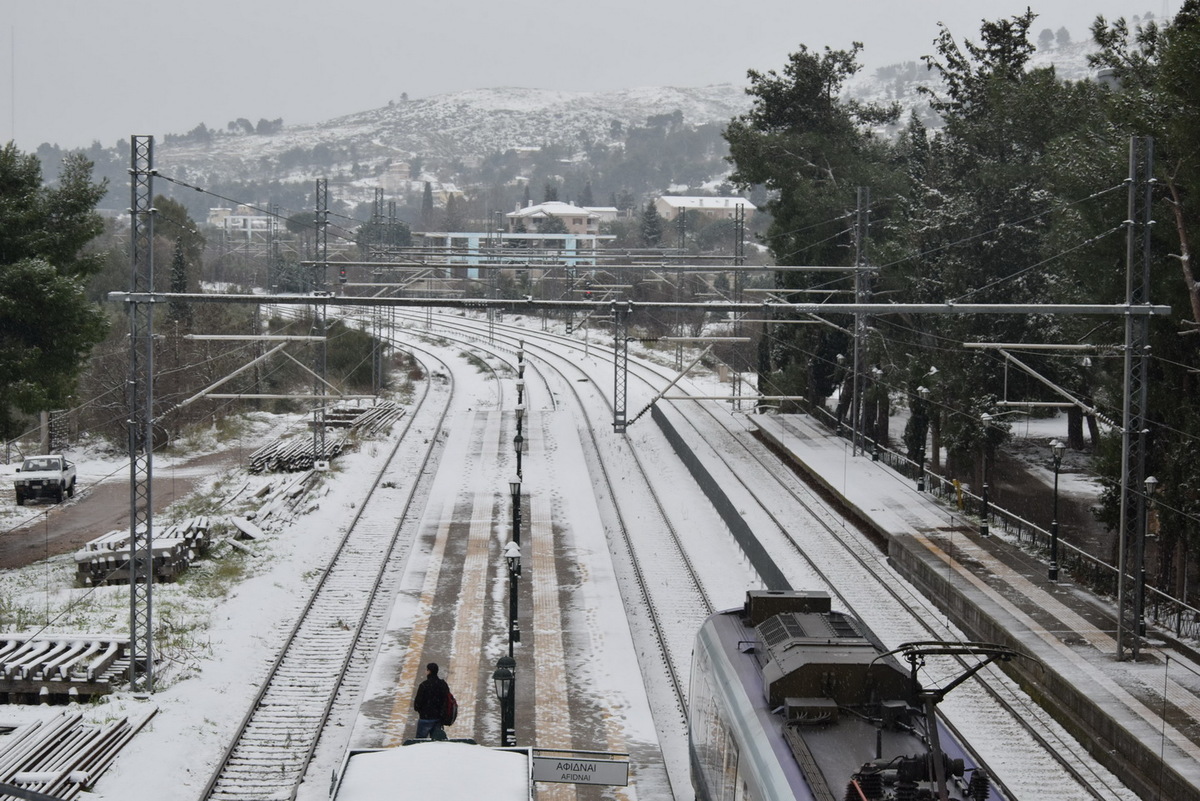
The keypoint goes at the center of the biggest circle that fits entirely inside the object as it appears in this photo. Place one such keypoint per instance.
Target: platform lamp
(512, 555)
(983, 518)
(924, 393)
(520, 390)
(514, 489)
(877, 374)
(1151, 484)
(505, 679)
(1058, 449)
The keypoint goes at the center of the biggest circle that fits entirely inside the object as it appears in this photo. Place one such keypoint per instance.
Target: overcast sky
(78, 71)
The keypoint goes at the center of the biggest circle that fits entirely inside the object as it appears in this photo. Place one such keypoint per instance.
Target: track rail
(1028, 721)
(275, 741)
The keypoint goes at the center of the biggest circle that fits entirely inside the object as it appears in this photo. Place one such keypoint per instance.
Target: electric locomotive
(792, 700)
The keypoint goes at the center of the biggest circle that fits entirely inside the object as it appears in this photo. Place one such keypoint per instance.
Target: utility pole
(739, 258)
(140, 401)
(620, 365)
(1132, 534)
(862, 293)
(321, 222)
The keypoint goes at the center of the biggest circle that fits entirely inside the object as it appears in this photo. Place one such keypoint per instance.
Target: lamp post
(877, 374)
(1058, 448)
(512, 555)
(1139, 603)
(983, 496)
(924, 393)
(514, 489)
(505, 679)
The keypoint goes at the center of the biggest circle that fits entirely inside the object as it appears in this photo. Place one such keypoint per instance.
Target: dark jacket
(431, 698)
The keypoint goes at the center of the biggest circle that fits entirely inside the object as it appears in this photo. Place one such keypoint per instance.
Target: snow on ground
(223, 623)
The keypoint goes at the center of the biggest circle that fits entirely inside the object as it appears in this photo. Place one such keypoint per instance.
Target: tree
(550, 192)
(179, 311)
(652, 226)
(811, 150)
(427, 207)
(47, 324)
(585, 197)
(1156, 94)
(172, 221)
(454, 218)
(552, 224)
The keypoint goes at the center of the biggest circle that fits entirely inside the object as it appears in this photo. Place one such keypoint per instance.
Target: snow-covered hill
(463, 126)
(446, 133)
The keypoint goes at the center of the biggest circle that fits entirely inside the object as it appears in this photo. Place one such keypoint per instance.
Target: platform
(1139, 718)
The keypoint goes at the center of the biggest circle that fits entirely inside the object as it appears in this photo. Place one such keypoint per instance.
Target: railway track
(275, 741)
(834, 555)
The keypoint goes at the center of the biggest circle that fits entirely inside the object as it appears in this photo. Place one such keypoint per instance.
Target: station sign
(581, 768)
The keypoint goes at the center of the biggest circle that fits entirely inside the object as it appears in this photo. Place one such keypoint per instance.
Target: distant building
(242, 223)
(605, 213)
(577, 220)
(714, 208)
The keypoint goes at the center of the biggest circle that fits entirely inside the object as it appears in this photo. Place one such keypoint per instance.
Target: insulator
(905, 791)
(977, 788)
(871, 784)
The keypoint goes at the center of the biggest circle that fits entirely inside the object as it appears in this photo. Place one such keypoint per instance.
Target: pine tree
(427, 207)
(652, 226)
(178, 310)
(47, 324)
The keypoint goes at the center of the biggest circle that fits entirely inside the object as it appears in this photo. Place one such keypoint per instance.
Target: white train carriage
(791, 700)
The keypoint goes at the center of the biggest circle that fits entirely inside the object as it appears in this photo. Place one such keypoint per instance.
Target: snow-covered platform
(1141, 719)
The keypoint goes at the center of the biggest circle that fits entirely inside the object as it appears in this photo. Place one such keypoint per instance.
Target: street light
(1058, 448)
(514, 489)
(983, 523)
(518, 446)
(924, 393)
(505, 679)
(512, 555)
(520, 390)
(877, 374)
(1151, 484)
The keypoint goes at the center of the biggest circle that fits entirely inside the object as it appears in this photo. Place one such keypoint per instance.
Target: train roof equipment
(793, 700)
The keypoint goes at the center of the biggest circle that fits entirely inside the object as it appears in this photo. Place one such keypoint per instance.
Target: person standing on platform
(430, 703)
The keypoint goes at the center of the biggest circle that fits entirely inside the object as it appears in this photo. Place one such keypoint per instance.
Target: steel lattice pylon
(140, 399)
(321, 220)
(1131, 573)
(620, 366)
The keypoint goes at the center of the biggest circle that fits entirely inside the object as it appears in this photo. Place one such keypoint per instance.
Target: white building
(714, 208)
(577, 220)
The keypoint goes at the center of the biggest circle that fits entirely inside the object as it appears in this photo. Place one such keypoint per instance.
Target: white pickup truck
(49, 476)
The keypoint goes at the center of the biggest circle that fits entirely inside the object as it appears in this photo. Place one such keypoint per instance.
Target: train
(790, 700)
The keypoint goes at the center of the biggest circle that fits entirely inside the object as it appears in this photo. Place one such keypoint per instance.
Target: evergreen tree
(585, 197)
(811, 151)
(652, 226)
(178, 310)
(47, 325)
(427, 207)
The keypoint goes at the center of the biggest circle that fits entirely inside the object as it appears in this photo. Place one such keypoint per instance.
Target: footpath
(1141, 719)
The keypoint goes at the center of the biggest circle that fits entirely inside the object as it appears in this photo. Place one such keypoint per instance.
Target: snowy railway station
(504, 479)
